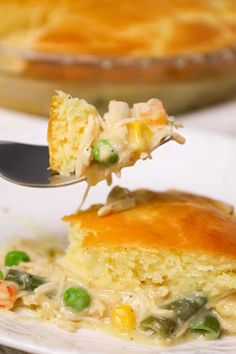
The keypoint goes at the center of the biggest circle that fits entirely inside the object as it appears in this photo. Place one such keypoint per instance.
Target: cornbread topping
(93, 146)
(148, 28)
(138, 283)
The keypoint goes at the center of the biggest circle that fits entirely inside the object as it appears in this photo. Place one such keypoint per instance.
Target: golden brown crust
(146, 28)
(172, 220)
(51, 142)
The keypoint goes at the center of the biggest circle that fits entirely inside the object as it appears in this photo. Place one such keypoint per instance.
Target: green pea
(161, 325)
(26, 281)
(104, 153)
(186, 307)
(1, 275)
(16, 257)
(76, 298)
(206, 322)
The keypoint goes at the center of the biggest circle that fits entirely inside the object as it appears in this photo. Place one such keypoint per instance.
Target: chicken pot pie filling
(83, 142)
(141, 314)
(34, 276)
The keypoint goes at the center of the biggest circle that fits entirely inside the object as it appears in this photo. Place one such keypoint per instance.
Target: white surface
(206, 164)
(220, 118)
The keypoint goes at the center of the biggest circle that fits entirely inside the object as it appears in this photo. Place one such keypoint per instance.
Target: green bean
(186, 307)
(161, 325)
(1, 275)
(25, 280)
(104, 153)
(206, 323)
(183, 308)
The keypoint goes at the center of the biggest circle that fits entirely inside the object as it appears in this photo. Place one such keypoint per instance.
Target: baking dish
(28, 79)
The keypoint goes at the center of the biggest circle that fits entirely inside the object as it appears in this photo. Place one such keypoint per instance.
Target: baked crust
(170, 220)
(52, 145)
(146, 28)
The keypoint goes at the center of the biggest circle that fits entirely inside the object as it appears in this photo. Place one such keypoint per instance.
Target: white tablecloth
(18, 126)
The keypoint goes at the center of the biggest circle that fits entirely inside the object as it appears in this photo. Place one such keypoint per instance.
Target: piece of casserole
(169, 256)
(83, 142)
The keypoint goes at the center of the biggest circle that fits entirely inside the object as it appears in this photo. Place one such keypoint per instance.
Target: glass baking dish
(29, 78)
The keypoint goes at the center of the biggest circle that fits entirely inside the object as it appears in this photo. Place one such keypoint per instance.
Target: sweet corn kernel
(123, 318)
(140, 135)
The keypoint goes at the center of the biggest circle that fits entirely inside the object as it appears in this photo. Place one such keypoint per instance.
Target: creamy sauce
(45, 302)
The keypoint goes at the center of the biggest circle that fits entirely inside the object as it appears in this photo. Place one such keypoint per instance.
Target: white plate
(205, 165)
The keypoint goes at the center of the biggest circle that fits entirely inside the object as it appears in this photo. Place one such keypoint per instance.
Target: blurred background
(182, 51)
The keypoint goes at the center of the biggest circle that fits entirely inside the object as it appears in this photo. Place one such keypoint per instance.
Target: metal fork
(28, 165)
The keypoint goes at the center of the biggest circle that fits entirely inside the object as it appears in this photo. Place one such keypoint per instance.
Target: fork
(28, 165)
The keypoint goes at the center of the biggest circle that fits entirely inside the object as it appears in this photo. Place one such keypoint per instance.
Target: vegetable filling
(71, 304)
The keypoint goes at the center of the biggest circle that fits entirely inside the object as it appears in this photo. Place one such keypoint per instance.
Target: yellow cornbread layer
(123, 268)
(68, 117)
